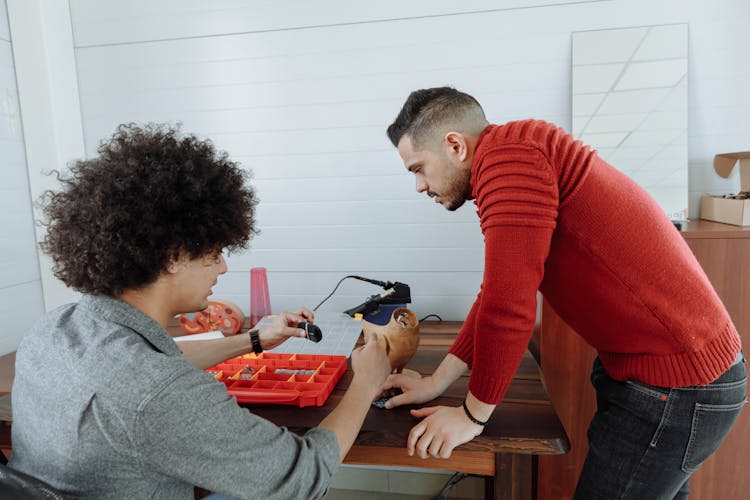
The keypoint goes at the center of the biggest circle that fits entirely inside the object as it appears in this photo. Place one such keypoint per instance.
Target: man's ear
(176, 262)
(456, 146)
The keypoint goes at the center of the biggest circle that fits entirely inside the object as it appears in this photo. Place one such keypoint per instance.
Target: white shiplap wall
(301, 92)
(20, 287)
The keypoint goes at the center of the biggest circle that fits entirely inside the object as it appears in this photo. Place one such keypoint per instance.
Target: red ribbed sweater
(559, 219)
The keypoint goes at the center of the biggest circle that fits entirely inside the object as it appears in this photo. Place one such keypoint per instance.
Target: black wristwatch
(255, 341)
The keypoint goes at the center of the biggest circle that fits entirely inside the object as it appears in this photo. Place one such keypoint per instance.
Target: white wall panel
(4, 29)
(318, 285)
(17, 248)
(48, 96)
(20, 286)
(301, 93)
(18, 254)
(21, 306)
(299, 64)
(383, 235)
(364, 212)
(309, 188)
(289, 165)
(112, 22)
(400, 260)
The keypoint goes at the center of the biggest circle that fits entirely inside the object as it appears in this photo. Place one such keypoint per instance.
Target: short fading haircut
(428, 110)
(150, 195)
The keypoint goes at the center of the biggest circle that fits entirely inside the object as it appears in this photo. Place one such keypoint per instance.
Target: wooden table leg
(514, 478)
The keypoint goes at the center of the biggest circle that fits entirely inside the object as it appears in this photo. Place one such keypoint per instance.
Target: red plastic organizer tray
(287, 379)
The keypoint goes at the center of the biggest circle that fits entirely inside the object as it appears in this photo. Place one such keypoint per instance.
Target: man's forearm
(450, 369)
(346, 420)
(206, 353)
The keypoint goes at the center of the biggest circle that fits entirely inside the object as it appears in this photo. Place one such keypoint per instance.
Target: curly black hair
(150, 195)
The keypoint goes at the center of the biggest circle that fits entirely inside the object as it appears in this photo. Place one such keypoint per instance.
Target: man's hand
(371, 366)
(283, 326)
(414, 390)
(444, 428)
(425, 389)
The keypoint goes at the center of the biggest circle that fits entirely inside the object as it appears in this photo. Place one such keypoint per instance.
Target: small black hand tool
(311, 331)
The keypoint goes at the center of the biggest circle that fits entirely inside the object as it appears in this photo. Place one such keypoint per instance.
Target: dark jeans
(646, 441)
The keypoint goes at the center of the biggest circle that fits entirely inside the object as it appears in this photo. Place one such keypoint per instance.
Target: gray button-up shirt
(105, 406)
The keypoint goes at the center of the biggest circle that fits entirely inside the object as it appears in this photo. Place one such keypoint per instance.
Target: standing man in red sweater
(670, 376)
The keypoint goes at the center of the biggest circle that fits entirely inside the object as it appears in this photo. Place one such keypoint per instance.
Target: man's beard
(460, 185)
(455, 204)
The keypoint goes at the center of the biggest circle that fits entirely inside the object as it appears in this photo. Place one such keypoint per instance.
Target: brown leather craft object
(399, 337)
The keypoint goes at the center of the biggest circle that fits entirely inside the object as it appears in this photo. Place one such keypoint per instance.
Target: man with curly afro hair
(105, 405)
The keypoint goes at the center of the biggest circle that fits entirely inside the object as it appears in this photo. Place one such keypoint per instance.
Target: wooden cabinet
(724, 253)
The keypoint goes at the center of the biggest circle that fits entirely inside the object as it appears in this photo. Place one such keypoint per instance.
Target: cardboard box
(725, 209)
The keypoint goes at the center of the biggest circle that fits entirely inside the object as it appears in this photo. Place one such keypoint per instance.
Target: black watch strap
(255, 341)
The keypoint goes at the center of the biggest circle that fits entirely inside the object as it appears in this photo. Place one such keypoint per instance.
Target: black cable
(334, 290)
(453, 481)
(431, 316)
